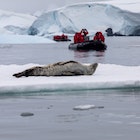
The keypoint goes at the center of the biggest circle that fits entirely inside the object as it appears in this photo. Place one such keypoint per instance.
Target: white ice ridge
(107, 76)
(92, 16)
(84, 107)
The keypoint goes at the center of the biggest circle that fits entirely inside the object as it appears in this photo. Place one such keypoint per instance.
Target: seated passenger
(84, 32)
(99, 37)
(78, 38)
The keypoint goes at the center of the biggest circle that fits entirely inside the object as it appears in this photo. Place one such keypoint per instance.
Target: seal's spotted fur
(69, 68)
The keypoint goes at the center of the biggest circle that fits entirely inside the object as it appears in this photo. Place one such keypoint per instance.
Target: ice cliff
(92, 16)
(70, 19)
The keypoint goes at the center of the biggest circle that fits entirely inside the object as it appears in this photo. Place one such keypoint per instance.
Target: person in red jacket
(81, 36)
(84, 32)
(78, 37)
(99, 36)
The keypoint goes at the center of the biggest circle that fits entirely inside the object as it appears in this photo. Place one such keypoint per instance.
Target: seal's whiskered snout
(92, 68)
(95, 65)
(68, 68)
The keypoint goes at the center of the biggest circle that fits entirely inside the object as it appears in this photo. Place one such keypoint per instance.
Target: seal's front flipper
(17, 75)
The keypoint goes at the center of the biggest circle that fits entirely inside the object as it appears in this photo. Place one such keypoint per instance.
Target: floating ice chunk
(84, 107)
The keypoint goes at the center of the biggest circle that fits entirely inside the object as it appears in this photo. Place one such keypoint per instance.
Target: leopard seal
(68, 68)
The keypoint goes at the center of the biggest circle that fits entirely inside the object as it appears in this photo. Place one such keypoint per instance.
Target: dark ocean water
(121, 51)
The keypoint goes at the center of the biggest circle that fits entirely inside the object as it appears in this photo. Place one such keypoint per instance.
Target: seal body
(69, 68)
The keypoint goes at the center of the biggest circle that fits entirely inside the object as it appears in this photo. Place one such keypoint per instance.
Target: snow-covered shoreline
(23, 39)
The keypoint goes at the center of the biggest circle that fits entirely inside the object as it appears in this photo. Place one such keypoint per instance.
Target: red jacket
(78, 38)
(99, 36)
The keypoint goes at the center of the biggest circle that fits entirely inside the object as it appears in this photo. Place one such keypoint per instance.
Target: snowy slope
(14, 29)
(14, 23)
(92, 16)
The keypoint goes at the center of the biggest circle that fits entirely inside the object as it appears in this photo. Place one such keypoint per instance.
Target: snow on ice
(107, 76)
(15, 23)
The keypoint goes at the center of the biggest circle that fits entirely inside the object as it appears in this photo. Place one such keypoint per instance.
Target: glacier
(92, 16)
(70, 19)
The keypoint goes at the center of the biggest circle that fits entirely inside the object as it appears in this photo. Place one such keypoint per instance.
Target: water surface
(121, 51)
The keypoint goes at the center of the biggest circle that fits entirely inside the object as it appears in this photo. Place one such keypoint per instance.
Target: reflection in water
(81, 54)
(99, 53)
(95, 56)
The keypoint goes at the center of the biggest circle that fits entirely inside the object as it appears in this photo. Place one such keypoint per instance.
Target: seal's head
(92, 68)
